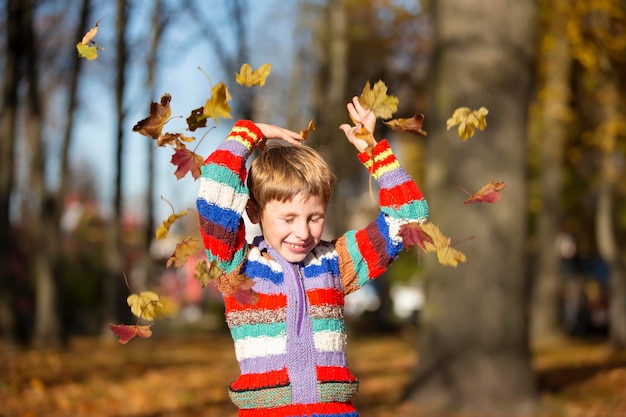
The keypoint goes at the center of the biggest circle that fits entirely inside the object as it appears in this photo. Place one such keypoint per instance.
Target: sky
(270, 36)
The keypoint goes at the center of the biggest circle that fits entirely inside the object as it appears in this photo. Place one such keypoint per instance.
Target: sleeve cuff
(381, 160)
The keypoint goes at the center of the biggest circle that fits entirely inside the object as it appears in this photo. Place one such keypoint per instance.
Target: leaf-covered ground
(173, 376)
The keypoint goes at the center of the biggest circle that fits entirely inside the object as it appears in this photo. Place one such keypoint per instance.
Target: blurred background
(81, 194)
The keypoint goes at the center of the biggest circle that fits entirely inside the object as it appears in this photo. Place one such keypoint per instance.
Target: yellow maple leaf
(446, 255)
(376, 99)
(217, 105)
(249, 78)
(146, 304)
(188, 247)
(163, 230)
(468, 121)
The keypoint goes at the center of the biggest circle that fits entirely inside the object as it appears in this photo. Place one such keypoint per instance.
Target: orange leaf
(152, 125)
(188, 247)
(305, 132)
(187, 161)
(489, 193)
(410, 125)
(126, 332)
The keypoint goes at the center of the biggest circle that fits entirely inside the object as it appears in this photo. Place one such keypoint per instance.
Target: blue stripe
(229, 219)
(263, 271)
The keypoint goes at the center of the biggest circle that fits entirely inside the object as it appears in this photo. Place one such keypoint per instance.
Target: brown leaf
(126, 332)
(412, 234)
(152, 125)
(305, 132)
(411, 125)
(188, 247)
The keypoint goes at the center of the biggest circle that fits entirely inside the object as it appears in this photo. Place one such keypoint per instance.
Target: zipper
(301, 297)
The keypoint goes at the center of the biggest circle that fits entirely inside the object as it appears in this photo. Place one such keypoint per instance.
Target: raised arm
(365, 254)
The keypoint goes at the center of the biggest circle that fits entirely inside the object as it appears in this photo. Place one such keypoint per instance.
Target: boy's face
(293, 228)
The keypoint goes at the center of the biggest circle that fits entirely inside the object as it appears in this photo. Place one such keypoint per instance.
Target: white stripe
(222, 195)
(255, 347)
(329, 341)
(394, 227)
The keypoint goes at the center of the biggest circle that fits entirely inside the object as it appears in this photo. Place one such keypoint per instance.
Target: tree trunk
(607, 136)
(14, 50)
(47, 322)
(473, 344)
(113, 245)
(556, 117)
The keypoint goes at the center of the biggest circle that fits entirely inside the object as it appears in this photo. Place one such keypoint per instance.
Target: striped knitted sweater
(291, 344)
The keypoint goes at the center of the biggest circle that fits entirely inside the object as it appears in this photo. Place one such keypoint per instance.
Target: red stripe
(266, 302)
(400, 194)
(369, 253)
(325, 296)
(227, 159)
(223, 250)
(269, 379)
(334, 373)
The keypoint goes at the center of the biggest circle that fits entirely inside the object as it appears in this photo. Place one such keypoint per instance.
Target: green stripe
(415, 210)
(334, 325)
(221, 174)
(260, 329)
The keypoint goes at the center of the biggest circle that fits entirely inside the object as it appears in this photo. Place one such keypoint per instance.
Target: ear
(254, 214)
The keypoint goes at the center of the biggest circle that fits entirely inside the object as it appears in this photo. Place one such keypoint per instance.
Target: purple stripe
(234, 146)
(262, 364)
(393, 178)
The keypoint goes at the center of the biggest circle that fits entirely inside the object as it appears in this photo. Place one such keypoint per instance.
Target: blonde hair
(281, 172)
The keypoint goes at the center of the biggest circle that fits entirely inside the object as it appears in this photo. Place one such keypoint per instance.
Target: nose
(302, 230)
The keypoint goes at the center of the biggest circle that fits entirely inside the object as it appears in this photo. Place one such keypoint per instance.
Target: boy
(291, 343)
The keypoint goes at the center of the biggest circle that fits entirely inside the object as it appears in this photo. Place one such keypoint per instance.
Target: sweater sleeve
(222, 198)
(366, 253)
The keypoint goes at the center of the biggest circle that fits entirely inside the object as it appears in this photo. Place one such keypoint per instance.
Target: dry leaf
(249, 78)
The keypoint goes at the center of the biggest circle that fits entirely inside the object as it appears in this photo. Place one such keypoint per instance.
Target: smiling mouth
(297, 247)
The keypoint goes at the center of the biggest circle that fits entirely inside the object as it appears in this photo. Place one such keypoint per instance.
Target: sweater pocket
(262, 390)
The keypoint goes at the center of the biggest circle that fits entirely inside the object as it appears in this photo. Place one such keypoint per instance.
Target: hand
(277, 132)
(361, 118)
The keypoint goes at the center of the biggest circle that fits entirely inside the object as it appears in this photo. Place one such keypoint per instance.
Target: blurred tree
(474, 324)
(113, 248)
(14, 53)
(554, 120)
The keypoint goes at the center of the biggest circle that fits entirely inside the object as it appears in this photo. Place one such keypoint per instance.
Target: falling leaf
(377, 100)
(164, 228)
(489, 193)
(217, 106)
(468, 120)
(145, 305)
(87, 48)
(409, 125)
(152, 125)
(187, 161)
(126, 332)
(207, 272)
(196, 119)
(305, 132)
(242, 290)
(446, 255)
(188, 247)
(413, 234)
(249, 78)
